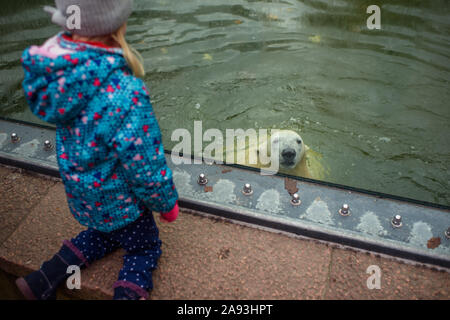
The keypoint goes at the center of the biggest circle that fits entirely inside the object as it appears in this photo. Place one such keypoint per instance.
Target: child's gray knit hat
(96, 17)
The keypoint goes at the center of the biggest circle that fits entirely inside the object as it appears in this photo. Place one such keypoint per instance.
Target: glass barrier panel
(371, 104)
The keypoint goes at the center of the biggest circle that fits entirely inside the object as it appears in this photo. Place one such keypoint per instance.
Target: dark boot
(42, 284)
(125, 290)
(121, 293)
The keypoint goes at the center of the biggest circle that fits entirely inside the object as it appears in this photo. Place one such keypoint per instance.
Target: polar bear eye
(299, 141)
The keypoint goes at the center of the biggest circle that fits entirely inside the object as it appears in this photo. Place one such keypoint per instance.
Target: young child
(108, 146)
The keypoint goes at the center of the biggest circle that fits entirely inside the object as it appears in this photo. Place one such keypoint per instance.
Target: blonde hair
(134, 59)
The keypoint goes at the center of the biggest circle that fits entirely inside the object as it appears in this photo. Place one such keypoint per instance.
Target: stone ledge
(202, 258)
(207, 258)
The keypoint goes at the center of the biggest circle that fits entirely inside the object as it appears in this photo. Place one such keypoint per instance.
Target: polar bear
(291, 152)
(292, 156)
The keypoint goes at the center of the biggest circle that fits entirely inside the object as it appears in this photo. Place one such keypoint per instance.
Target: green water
(374, 103)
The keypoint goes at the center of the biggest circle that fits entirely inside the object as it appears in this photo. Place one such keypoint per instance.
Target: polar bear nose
(288, 153)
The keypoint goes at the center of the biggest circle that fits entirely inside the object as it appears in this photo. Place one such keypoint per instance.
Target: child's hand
(171, 215)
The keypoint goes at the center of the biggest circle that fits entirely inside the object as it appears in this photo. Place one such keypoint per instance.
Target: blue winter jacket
(108, 141)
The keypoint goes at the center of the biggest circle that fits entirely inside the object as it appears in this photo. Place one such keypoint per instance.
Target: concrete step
(203, 257)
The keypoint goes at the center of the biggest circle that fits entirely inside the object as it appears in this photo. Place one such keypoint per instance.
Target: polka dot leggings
(140, 240)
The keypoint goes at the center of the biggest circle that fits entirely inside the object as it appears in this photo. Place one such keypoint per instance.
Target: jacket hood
(62, 76)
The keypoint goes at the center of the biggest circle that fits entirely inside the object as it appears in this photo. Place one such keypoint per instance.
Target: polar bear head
(289, 146)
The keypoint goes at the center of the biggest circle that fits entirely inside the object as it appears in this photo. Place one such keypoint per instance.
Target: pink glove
(171, 215)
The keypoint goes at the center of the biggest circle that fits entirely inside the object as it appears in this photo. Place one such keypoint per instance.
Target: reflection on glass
(371, 104)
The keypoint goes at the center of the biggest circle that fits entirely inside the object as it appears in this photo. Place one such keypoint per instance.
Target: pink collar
(92, 43)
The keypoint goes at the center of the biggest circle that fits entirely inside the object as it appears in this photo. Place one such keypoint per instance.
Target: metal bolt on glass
(202, 179)
(47, 145)
(447, 233)
(397, 221)
(247, 189)
(14, 137)
(295, 201)
(345, 210)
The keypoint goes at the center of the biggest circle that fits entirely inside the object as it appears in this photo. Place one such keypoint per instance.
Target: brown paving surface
(206, 258)
(348, 279)
(41, 234)
(19, 192)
